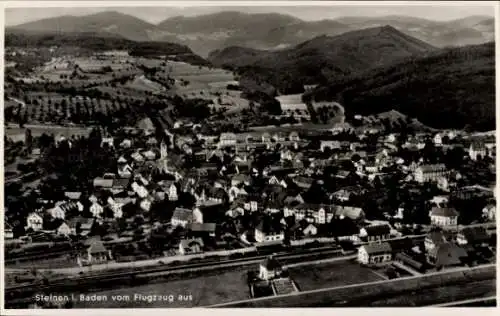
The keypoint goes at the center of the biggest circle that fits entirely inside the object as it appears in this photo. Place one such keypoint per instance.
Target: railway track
(62, 282)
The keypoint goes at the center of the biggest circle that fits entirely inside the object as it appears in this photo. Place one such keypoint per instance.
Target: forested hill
(452, 88)
(322, 58)
(100, 42)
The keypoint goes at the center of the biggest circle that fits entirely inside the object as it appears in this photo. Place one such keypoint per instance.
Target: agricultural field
(205, 83)
(142, 83)
(333, 274)
(212, 288)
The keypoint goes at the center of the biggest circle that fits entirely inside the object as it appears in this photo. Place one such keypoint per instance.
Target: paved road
(467, 302)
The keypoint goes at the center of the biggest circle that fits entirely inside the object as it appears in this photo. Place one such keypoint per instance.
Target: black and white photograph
(256, 155)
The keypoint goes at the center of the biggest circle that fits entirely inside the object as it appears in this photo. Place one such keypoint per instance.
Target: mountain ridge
(267, 31)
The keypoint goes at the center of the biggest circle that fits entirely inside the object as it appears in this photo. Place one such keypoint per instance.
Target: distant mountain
(450, 88)
(322, 58)
(112, 22)
(213, 31)
(264, 31)
(466, 31)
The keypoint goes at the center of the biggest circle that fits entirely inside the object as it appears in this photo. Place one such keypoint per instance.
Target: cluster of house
(224, 189)
(441, 248)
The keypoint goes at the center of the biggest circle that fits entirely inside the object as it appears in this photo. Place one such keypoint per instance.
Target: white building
(34, 221)
(441, 216)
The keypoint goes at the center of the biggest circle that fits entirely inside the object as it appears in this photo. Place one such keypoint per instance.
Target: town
(118, 164)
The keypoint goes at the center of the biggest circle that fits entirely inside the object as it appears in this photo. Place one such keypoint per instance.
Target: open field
(326, 275)
(210, 289)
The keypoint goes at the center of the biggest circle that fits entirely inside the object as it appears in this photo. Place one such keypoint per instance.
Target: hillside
(465, 31)
(112, 22)
(322, 58)
(100, 42)
(452, 88)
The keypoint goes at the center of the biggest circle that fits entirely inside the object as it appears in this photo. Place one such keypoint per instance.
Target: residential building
(96, 209)
(191, 246)
(269, 269)
(443, 216)
(489, 212)
(265, 231)
(63, 229)
(477, 150)
(96, 253)
(429, 173)
(375, 233)
(34, 221)
(182, 217)
(375, 253)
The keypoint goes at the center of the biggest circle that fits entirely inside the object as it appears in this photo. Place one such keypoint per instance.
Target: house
(57, 212)
(137, 157)
(447, 255)
(270, 268)
(126, 143)
(294, 136)
(375, 233)
(310, 230)
(96, 253)
(202, 229)
(149, 155)
(341, 195)
(265, 231)
(182, 217)
(34, 221)
(74, 196)
(434, 239)
(80, 225)
(103, 183)
(125, 171)
(227, 139)
(318, 213)
(191, 246)
(96, 209)
(330, 144)
(8, 232)
(489, 212)
(443, 216)
(477, 150)
(171, 190)
(140, 190)
(303, 182)
(240, 179)
(63, 229)
(375, 253)
(437, 140)
(429, 173)
(354, 213)
(109, 141)
(474, 236)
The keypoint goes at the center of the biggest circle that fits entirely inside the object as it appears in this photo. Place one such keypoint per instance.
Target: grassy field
(331, 274)
(206, 290)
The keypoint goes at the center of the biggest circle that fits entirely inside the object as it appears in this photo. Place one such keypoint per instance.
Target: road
(469, 302)
(344, 301)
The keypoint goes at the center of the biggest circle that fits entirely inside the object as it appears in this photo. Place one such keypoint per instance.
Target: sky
(446, 11)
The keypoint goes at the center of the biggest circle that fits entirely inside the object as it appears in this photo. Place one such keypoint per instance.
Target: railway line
(61, 283)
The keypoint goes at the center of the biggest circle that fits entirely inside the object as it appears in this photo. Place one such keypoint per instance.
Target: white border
(231, 312)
